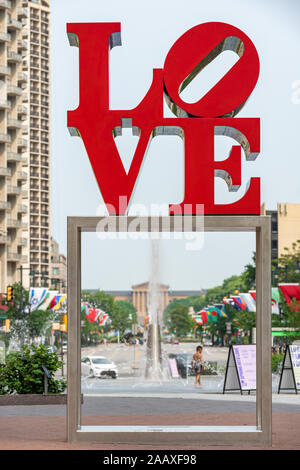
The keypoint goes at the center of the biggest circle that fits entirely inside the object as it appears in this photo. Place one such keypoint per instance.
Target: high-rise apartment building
(12, 142)
(285, 227)
(36, 130)
(24, 141)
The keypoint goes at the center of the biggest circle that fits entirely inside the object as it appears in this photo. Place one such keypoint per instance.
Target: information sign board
(290, 373)
(241, 368)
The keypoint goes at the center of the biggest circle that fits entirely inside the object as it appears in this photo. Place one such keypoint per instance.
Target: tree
(123, 316)
(249, 274)
(23, 323)
(177, 319)
(288, 264)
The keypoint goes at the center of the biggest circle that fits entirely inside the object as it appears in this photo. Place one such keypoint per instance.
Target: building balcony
(5, 37)
(22, 143)
(11, 189)
(21, 208)
(5, 104)
(34, 53)
(34, 247)
(5, 70)
(14, 24)
(14, 157)
(5, 205)
(13, 56)
(12, 256)
(34, 89)
(34, 161)
(22, 110)
(5, 239)
(21, 175)
(14, 124)
(15, 223)
(14, 90)
(5, 171)
(5, 4)
(6, 138)
(22, 12)
(22, 78)
(22, 44)
(22, 241)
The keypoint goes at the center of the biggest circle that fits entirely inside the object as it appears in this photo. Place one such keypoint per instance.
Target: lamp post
(280, 311)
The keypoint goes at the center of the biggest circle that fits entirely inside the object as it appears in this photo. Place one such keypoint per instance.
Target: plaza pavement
(130, 401)
(44, 427)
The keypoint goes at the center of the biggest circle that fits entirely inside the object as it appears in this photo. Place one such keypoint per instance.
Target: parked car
(98, 366)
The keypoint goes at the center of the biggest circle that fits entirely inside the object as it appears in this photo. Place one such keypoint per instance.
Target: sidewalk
(43, 430)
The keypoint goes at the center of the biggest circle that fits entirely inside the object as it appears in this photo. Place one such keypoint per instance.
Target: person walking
(197, 362)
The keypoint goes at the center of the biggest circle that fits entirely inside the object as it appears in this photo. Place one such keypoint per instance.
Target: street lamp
(280, 311)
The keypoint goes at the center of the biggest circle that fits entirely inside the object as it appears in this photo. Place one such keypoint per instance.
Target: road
(131, 363)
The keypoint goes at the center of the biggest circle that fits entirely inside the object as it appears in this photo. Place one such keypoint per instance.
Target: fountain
(154, 355)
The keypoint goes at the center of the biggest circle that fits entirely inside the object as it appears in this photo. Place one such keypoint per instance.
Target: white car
(98, 366)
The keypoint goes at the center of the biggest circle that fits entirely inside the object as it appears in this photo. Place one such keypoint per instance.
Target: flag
(290, 291)
(48, 299)
(56, 302)
(275, 300)
(61, 299)
(212, 314)
(240, 302)
(230, 302)
(204, 316)
(221, 310)
(92, 314)
(37, 296)
(198, 319)
(249, 301)
(253, 293)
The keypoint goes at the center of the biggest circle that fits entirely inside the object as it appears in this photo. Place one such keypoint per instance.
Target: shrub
(277, 360)
(23, 371)
(210, 368)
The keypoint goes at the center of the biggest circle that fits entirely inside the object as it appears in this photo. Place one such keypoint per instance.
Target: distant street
(131, 364)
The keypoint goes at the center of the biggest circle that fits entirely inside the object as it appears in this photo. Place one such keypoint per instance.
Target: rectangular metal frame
(261, 434)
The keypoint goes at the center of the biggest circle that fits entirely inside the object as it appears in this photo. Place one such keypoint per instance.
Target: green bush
(277, 360)
(23, 373)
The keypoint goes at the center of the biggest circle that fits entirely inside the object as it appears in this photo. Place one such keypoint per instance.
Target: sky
(148, 30)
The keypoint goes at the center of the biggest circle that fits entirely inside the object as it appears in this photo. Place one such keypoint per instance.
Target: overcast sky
(148, 30)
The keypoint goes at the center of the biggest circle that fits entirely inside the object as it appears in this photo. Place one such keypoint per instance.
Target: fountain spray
(154, 356)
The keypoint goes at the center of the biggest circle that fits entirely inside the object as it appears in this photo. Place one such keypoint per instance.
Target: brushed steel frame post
(261, 434)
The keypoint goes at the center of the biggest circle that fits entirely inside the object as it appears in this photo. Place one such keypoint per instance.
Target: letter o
(192, 52)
